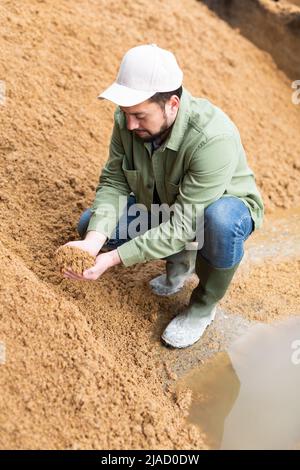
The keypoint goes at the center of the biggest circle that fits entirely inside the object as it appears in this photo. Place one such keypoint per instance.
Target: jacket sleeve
(112, 190)
(209, 174)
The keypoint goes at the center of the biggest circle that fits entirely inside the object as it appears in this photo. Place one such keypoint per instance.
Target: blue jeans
(227, 225)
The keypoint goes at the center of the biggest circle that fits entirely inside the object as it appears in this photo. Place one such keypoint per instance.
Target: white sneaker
(185, 329)
(160, 287)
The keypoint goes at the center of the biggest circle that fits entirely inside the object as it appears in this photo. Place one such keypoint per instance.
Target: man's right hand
(92, 243)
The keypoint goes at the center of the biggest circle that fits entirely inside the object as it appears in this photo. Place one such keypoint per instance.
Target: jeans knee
(218, 217)
(227, 224)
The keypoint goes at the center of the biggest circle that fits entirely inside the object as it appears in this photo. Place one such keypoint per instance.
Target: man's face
(148, 120)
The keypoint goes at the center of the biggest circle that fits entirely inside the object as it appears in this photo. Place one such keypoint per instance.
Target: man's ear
(173, 103)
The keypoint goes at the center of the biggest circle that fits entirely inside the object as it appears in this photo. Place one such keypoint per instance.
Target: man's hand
(103, 262)
(92, 243)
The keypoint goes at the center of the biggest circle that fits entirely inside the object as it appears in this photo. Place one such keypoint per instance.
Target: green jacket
(202, 160)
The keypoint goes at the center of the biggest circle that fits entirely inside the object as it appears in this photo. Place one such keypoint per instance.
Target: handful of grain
(74, 259)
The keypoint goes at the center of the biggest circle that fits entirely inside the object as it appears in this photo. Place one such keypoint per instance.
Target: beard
(158, 136)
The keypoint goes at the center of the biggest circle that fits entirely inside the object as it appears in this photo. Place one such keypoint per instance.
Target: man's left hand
(103, 262)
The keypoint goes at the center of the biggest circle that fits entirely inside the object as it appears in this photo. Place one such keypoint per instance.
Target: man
(170, 148)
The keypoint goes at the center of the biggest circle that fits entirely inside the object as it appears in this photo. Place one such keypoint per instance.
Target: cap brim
(124, 96)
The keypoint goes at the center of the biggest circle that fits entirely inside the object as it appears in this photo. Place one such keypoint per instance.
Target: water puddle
(248, 397)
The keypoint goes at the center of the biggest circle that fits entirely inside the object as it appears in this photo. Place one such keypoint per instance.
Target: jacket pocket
(132, 177)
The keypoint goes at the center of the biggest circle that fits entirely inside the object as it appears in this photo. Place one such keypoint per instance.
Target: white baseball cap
(144, 71)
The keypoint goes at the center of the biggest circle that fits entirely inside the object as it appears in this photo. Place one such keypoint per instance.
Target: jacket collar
(174, 140)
